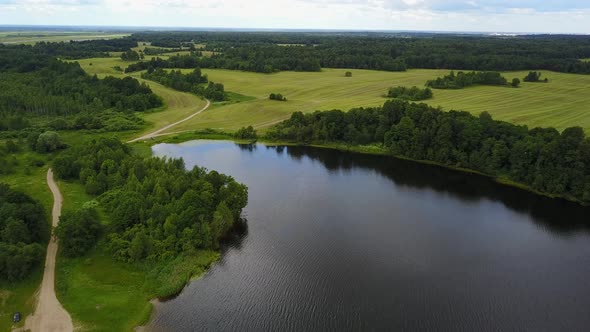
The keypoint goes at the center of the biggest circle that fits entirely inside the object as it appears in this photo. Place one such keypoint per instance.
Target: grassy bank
(102, 294)
(18, 296)
(105, 295)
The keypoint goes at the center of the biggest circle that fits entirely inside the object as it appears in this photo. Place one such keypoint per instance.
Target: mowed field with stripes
(561, 103)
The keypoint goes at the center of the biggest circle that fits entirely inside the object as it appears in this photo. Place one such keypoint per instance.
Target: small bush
(277, 96)
(246, 133)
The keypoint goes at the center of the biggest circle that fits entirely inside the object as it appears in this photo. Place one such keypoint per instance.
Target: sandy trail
(49, 314)
(157, 132)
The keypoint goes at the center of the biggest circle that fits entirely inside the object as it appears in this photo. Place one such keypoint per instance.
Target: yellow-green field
(32, 37)
(178, 105)
(561, 103)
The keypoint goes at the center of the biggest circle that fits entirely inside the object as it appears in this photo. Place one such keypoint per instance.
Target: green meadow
(32, 37)
(561, 103)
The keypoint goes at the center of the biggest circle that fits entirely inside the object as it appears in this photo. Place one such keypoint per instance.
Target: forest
(35, 86)
(193, 82)
(268, 52)
(23, 233)
(543, 159)
(157, 209)
(84, 48)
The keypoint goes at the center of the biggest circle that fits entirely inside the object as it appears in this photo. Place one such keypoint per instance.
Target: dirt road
(49, 314)
(157, 132)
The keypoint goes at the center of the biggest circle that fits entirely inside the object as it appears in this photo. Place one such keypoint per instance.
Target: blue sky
(565, 16)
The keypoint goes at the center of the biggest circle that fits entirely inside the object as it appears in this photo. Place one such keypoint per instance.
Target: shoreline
(367, 149)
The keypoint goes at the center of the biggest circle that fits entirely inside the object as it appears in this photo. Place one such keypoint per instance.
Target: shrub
(246, 133)
(78, 231)
(277, 96)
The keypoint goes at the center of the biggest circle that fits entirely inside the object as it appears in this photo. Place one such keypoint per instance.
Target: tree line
(194, 82)
(157, 209)
(542, 158)
(383, 51)
(34, 85)
(269, 52)
(462, 80)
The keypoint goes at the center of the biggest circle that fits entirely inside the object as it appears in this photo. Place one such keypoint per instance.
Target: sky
(536, 16)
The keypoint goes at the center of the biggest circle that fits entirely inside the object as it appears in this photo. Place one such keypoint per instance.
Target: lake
(350, 242)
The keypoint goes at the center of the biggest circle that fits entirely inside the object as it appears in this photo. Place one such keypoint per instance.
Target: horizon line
(135, 28)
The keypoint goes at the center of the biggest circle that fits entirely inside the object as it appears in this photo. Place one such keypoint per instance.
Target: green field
(561, 103)
(32, 37)
(178, 105)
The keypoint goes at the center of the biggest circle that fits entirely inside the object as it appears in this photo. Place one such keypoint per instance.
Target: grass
(561, 103)
(18, 296)
(100, 294)
(32, 37)
(104, 295)
(178, 105)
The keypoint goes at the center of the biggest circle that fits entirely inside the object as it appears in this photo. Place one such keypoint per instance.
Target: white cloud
(446, 15)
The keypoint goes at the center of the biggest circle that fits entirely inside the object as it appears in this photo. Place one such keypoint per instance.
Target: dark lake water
(348, 242)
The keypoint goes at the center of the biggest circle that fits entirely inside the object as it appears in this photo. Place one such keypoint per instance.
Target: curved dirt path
(157, 132)
(49, 314)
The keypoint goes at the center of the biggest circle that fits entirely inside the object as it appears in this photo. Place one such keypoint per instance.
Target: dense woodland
(83, 49)
(194, 82)
(541, 158)
(157, 209)
(267, 52)
(23, 233)
(35, 85)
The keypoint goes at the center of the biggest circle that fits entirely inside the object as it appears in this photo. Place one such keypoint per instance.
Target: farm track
(49, 314)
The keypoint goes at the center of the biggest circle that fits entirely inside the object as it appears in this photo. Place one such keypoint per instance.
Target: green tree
(48, 141)
(78, 231)
(515, 82)
(15, 232)
(246, 133)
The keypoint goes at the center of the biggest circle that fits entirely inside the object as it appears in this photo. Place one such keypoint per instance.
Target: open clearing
(561, 103)
(32, 37)
(177, 105)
